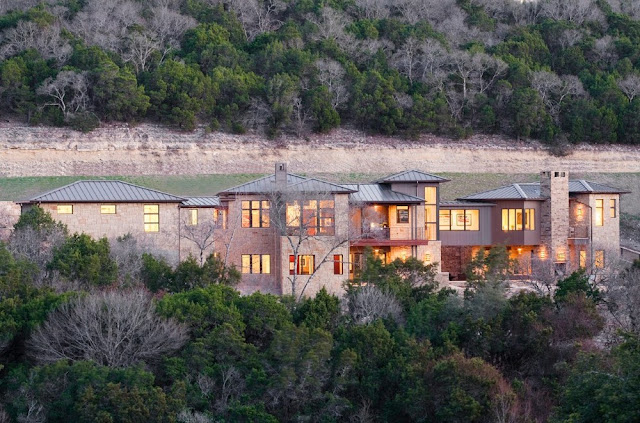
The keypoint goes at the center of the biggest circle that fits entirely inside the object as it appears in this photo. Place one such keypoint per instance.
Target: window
(256, 263)
(583, 259)
(529, 219)
(612, 208)
(599, 211)
(430, 212)
(306, 265)
(193, 217)
(515, 219)
(108, 209)
(318, 217)
(255, 214)
(459, 220)
(598, 260)
(65, 209)
(337, 264)
(402, 214)
(220, 218)
(151, 218)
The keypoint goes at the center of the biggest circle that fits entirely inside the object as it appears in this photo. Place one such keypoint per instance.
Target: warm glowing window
(255, 214)
(598, 259)
(430, 212)
(306, 265)
(583, 259)
(317, 217)
(529, 219)
(599, 213)
(193, 217)
(612, 208)
(337, 264)
(65, 209)
(459, 220)
(256, 263)
(220, 218)
(402, 214)
(151, 218)
(108, 209)
(516, 219)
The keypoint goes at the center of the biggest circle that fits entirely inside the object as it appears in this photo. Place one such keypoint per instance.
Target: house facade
(290, 234)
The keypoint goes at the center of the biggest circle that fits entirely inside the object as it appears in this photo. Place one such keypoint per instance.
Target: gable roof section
(267, 184)
(201, 202)
(412, 176)
(531, 191)
(376, 193)
(103, 192)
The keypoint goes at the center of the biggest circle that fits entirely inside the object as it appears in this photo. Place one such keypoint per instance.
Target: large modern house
(294, 234)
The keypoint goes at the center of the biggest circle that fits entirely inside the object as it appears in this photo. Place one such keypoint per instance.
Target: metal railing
(578, 232)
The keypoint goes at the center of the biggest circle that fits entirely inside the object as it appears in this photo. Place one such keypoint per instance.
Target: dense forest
(562, 71)
(98, 332)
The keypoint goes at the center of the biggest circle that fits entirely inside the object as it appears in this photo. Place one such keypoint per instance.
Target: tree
(69, 92)
(202, 235)
(368, 303)
(630, 86)
(111, 328)
(554, 90)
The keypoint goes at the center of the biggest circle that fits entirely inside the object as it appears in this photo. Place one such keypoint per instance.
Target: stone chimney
(281, 175)
(554, 215)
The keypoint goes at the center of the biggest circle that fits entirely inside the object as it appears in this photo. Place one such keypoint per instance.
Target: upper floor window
(108, 209)
(256, 263)
(459, 220)
(220, 218)
(306, 265)
(151, 218)
(402, 214)
(612, 208)
(317, 217)
(255, 214)
(193, 217)
(430, 212)
(517, 219)
(599, 212)
(65, 209)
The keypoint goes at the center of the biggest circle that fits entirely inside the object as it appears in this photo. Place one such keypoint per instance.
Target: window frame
(598, 211)
(318, 221)
(399, 219)
(261, 213)
(301, 264)
(527, 215)
(249, 262)
(60, 207)
(598, 259)
(465, 214)
(612, 208)
(103, 206)
(148, 225)
(431, 226)
(338, 264)
(193, 217)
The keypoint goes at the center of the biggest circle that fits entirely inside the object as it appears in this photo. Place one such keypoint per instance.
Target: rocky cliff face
(152, 150)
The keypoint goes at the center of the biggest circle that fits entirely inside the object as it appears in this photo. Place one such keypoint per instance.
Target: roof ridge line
(586, 185)
(520, 190)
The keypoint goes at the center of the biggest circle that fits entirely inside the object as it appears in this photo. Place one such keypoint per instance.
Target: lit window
(583, 259)
(255, 214)
(598, 259)
(599, 213)
(256, 263)
(65, 209)
(612, 208)
(516, 220)
(318, 217)
(108, 209)
(337, 264)
(561, 256)
(430, 212)
(193, 217)
(530, 219)
(459, 220)
(220, 218)
(306, 265)
(151, 218)
(402, 214)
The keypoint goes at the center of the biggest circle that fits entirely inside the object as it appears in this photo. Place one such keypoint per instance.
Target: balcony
(392, 237)
(579, 235)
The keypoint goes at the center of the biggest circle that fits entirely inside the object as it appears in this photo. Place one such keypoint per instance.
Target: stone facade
(554, 214)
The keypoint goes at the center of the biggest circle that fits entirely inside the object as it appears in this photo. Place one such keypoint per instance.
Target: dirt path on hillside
(153, 150)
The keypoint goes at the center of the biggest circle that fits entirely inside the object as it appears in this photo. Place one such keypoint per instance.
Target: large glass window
(583, 259)
(517, 219)
(306, 265)
(256, 263)
(108, 209)
(318, 217)
(402, 214)
(460, 220)
(220, 218)
(255, 214)
(612, 208)
(65, 209)
(599, 213)
(151, 218)
(430, 212)
(530, 219)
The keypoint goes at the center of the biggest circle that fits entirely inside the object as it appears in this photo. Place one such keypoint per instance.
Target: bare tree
(332, 75)
(36, 245)
(374, 9)
(407, 58)
(256, 16)
(127, 255)
(113, 328)
(368, 303)
(69, 91)
(622, 296)
(28, 35)
(630, 86)
(167, 27)
(139, 50)
(330, 25)
(577, 11)
(434, 62)
(202, 235)
(188, 416)
(554, 89)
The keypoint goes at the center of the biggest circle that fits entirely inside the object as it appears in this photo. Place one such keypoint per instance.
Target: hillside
(562, 71)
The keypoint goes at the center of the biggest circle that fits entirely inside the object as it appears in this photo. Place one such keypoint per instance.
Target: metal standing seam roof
(531, 191)
(376, 193)
(267, 184)
(456, 203)
(103, 191)
(412, 176)
(202, 202)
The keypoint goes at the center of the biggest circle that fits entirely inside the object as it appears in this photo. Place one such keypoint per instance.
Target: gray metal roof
(456, 203)
(531, 191)
(376, 193)
(267, 184)
(103, 192)
(202, 202)
(412, 176)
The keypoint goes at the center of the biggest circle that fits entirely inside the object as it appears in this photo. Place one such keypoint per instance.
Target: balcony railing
(376, 233)
(578, 232)
(393, 233)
